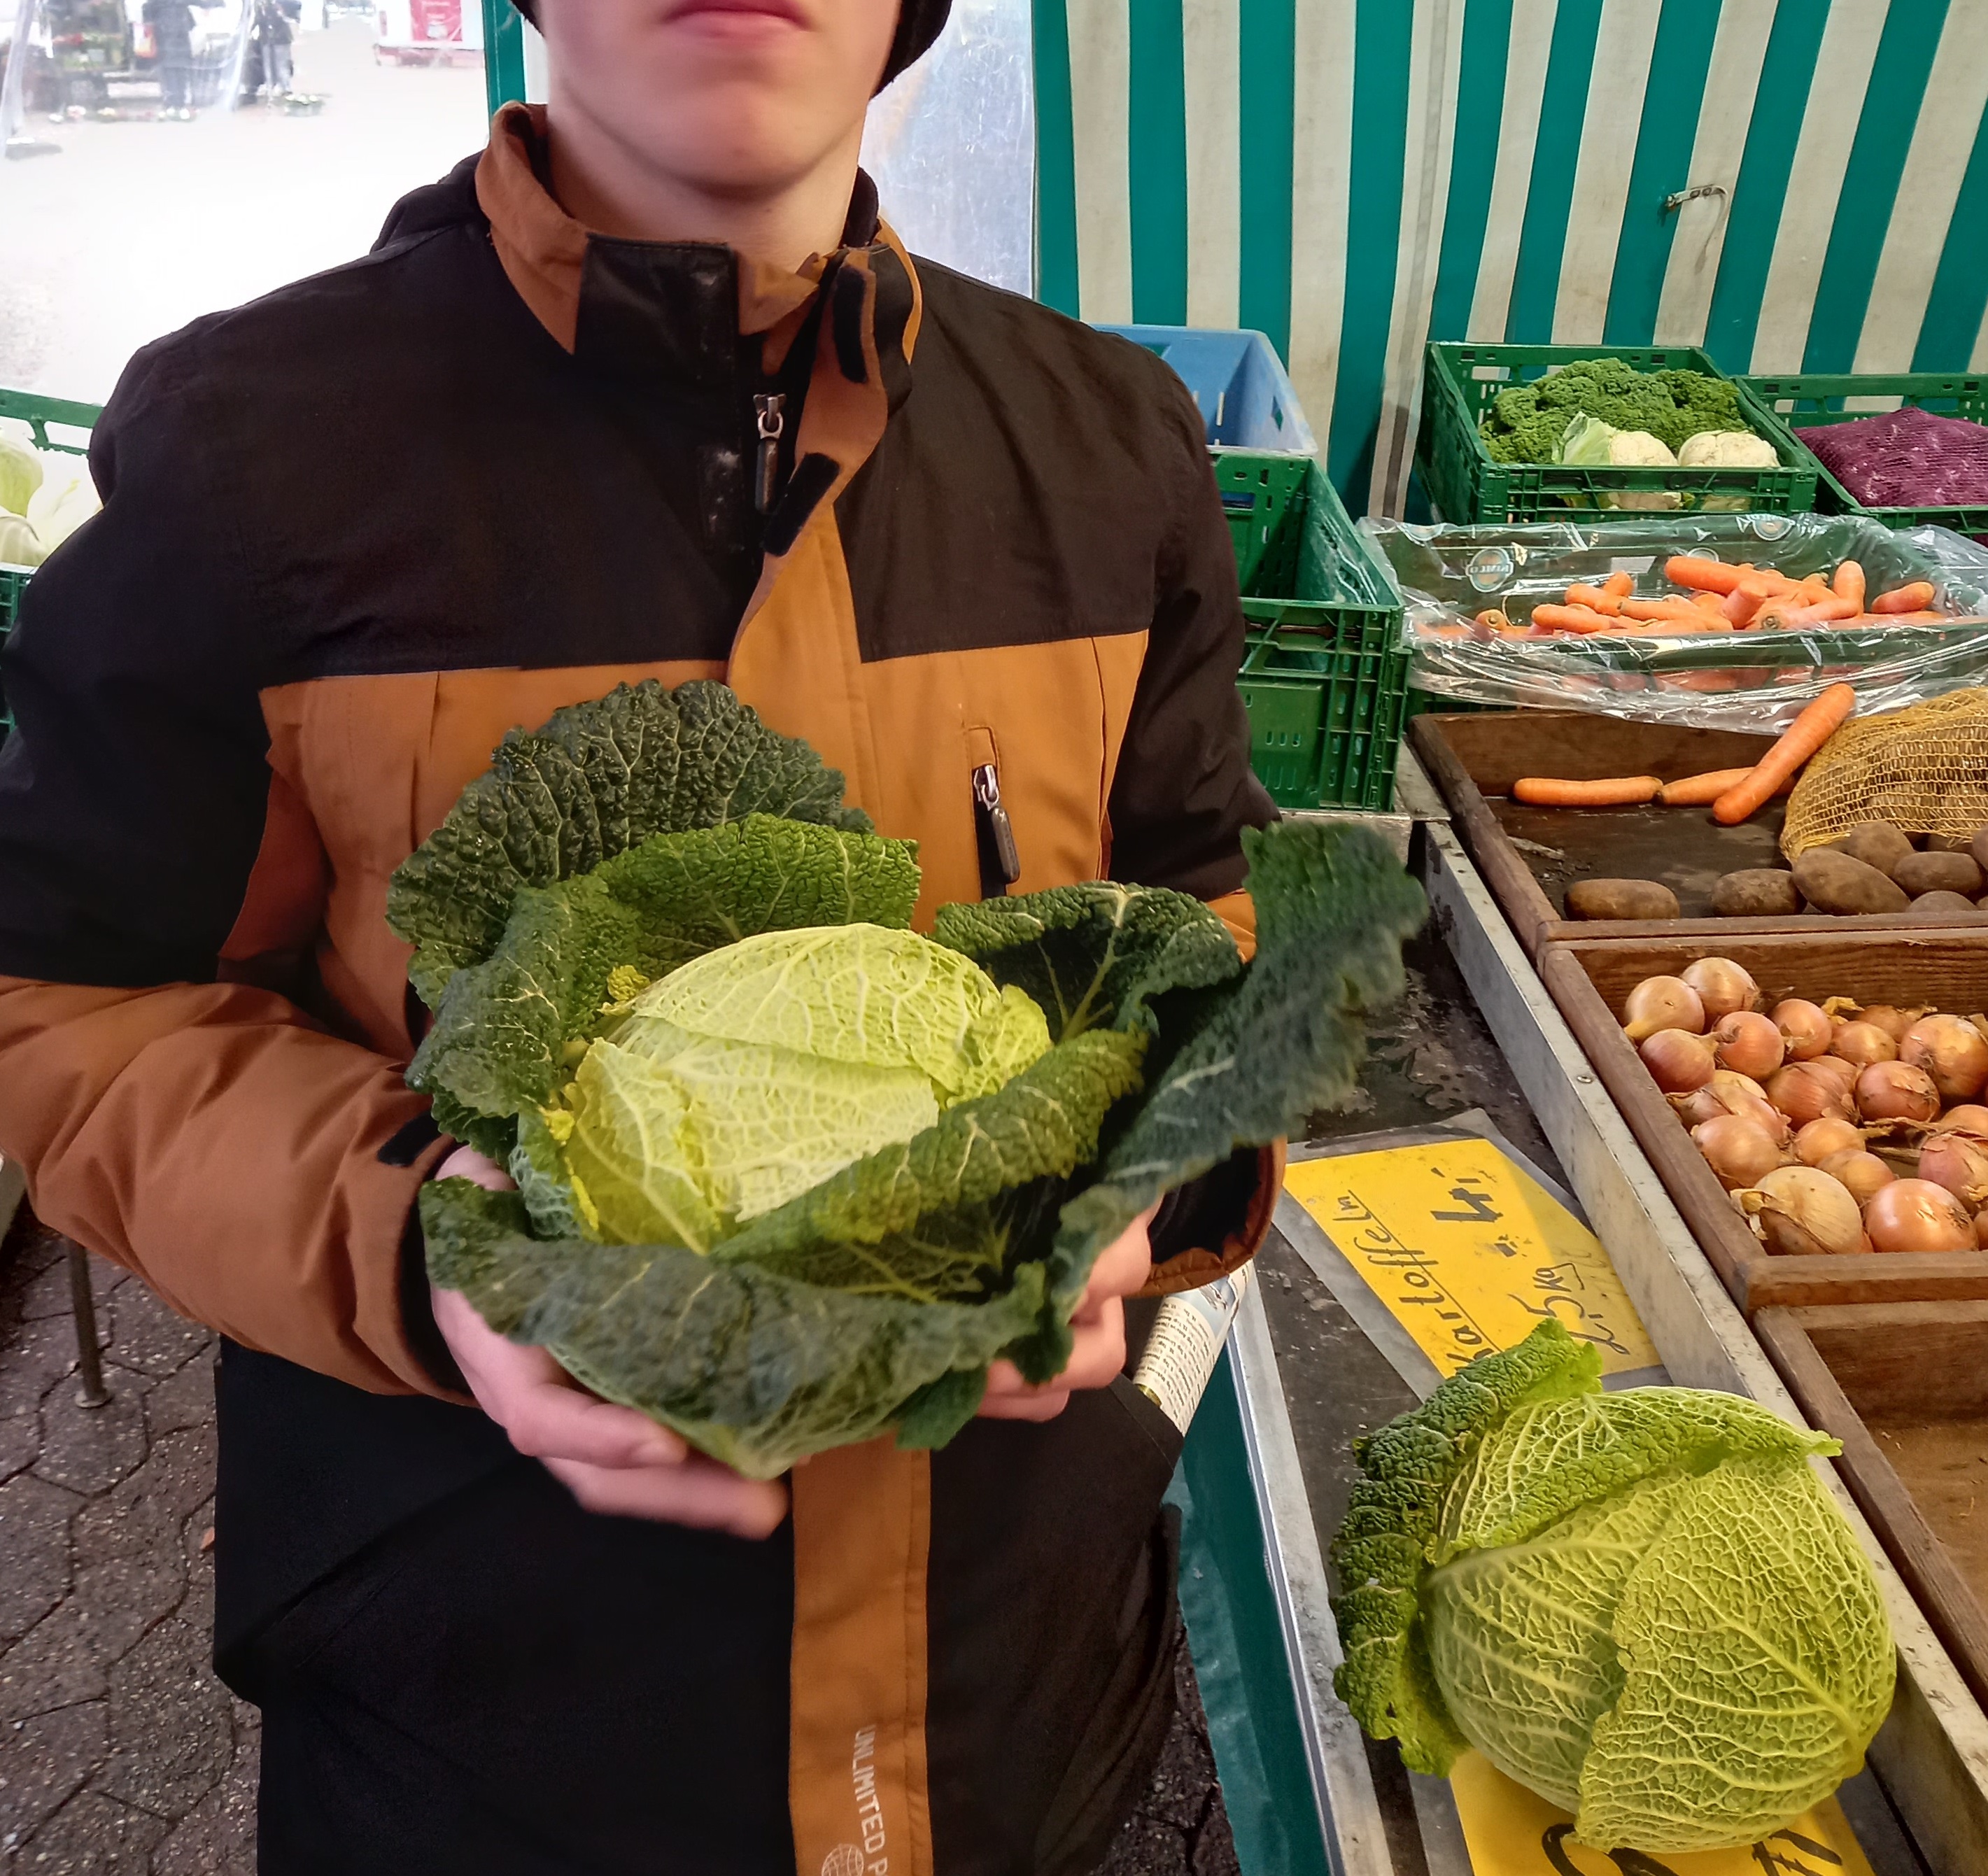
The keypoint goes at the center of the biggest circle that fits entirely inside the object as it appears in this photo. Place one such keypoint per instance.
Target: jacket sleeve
(204, 1133)
(1183, 792)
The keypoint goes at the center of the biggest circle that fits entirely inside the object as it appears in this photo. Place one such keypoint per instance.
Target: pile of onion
(1838, 1127)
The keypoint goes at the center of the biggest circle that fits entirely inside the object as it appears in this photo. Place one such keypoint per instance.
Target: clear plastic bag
(1742, 680)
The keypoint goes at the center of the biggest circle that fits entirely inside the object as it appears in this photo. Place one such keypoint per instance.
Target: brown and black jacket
(354, 533)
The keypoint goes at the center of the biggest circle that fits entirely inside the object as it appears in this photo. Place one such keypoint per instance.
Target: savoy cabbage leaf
(1642, 1605)
(598, 778)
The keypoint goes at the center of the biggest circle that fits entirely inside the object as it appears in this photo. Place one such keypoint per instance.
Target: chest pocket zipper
(1000, 860)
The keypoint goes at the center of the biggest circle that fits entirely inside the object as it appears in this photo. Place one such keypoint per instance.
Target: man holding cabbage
(646, 391)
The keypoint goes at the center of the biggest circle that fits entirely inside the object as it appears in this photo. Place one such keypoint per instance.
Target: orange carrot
(1596, 599)
(1848, 584)
(1915, 597)
(1658, 609)
(1619, 585)
(1570, 618)
(1700, 791)
(1686, 570)
(1743, 604)
(1711, 602)
(1617, 792)
(1823, 611)
(1806, 734)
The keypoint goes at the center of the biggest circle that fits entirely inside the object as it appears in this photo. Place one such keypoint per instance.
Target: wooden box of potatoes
(1905, 1386)
(1816, 1102)
(1652, 870)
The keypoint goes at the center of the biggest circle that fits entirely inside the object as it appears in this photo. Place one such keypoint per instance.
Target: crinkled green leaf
(598, 778)
(1411, 1464)
(750, 1367)
(1244, 1062)
(1094, 956)
(499, 1043)
(1758, 1666)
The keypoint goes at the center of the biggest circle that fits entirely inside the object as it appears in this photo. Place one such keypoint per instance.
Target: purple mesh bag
(1906, 459)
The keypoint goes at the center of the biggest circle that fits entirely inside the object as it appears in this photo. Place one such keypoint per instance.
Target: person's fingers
(1098, 1357)
(1123, 1266)
(699, 1493)
(467, 1163)
(537, 1403)
(1017, 1400)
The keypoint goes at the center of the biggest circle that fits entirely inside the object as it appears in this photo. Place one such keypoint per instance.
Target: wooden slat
(1942, 1590)
(1590, 978)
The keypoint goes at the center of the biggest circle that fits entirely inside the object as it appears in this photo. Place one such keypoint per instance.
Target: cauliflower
(1589, 443)
(1526, 421)
(19, 546)
(1727, 449)
(20, 476)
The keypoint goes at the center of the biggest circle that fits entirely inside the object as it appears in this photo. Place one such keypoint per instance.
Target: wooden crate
(1590, 978)
(1473, 758)
(1905, 1386)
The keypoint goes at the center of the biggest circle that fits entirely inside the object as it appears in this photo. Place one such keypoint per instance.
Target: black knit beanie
(919, 22)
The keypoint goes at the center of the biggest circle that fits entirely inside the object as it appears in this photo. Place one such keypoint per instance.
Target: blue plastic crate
(1244, 392)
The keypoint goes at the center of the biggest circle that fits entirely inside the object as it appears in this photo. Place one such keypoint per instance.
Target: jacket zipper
(1000, 860)
(770, 408)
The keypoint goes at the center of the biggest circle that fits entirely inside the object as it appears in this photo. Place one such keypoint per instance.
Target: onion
(1738, 1153)
(1960, 1165)
(1962, 1119)
(1863, 1175)
(1801, 1212)
(1889, 1018)
(1729, 1093)
(1805, 1091)
(1804, 1027)
(1820, 1139)
(1723, 987)
(1862, 1043)
(1915, 1215)
(1952, 1051)
(1896, 1091)
(1981, 1229)
(1842, 1074)
(1679, 1063)
(1748, 1044)
(1662, 1003)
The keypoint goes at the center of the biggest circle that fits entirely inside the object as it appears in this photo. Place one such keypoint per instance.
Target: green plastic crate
(1809, 400)
(1460, 381)
(1263, 494)
(1325, 673)
(57, 425)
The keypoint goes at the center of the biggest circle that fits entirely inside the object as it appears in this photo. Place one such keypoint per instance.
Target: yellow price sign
(1468, 1252)
(1510, 1831)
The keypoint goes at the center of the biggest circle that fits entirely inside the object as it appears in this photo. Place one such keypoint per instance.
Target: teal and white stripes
(1795, 183)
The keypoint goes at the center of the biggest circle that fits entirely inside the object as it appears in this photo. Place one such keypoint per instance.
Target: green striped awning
(1797, 184)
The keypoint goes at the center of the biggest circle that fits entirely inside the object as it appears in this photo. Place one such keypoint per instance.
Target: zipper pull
(771, 410)
(999, 830)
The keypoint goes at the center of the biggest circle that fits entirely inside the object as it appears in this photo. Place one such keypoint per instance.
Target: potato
(1953, 906)
(1759, 892)
(1919, 874)
(1877, 844)
(1978, 846)
(1620, 899)
(1834, 882)
(1946, 843)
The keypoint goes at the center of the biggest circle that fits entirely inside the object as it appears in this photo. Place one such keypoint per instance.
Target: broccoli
(1526, 421)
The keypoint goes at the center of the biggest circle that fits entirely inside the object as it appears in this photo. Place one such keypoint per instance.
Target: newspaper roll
(1186, 1342)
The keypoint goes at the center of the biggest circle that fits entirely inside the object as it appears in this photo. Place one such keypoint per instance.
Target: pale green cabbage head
(752, 1075)
(1642, 1606)
(20, 476)
(1589, 443)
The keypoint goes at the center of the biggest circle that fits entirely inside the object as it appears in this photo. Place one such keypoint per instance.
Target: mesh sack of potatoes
(1925, 770)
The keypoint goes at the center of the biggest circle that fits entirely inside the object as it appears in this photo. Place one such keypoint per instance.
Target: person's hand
(612, 1459)
(1099, 1331)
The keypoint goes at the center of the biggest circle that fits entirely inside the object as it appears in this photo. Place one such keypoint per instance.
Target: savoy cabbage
(1642, 1605)
(791, 1175)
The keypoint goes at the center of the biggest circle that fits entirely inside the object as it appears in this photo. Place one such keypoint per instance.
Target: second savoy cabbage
(1641, 1605)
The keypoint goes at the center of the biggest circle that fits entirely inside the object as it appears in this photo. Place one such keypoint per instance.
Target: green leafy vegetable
(789, 1174)
(20, 476)
(1526, 421)
(1642, 1605)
